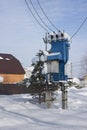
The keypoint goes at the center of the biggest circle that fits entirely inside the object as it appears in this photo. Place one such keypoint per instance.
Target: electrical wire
(46, 15)
(40, 17)
(34, 16)
(79, 28)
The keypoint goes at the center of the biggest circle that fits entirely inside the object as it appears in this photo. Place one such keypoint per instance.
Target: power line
(34, 16)
(46, 15)
(79, 27)
(40, 17)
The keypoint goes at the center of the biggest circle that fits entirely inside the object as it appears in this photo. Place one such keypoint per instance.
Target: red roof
(10, 65)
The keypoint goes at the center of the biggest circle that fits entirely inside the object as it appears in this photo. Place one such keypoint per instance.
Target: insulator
(62, 34)
(57, 36)
(51, 37)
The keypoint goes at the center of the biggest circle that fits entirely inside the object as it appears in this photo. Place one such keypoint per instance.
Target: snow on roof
(1, 57)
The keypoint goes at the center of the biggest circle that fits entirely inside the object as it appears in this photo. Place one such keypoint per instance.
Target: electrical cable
(79, 28)
(40, 17)
(46, 15)
(34, 16)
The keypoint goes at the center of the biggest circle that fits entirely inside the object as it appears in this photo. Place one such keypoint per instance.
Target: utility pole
(64, 95)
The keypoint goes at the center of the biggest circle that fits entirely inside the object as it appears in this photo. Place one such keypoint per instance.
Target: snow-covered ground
(19, 112)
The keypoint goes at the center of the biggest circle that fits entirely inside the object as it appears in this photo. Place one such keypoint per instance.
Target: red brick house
(10, 69)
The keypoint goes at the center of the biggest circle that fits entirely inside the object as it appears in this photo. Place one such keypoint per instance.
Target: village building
(11, 70)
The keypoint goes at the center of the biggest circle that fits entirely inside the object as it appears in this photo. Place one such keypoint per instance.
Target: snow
(20, 112)
(60, 37)
(77, 81)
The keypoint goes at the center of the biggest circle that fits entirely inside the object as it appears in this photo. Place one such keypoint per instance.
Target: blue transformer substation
(57, 56)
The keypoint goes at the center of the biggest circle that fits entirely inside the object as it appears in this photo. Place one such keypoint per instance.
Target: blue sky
(21, 35)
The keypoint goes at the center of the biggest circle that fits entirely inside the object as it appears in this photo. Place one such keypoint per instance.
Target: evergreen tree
(37, 77)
